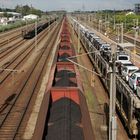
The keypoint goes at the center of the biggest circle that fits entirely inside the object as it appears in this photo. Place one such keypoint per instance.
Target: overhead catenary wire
(90, 70)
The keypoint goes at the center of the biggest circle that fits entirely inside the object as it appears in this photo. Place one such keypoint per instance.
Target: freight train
(40, 28)
(68, 117)
(127, 103)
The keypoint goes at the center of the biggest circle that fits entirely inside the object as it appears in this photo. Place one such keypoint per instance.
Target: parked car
(126, 63)
(105, 47)
(105, 51)
(122, 57)
(134, 80)
(138, 90)
(127, 71)
(122, 64)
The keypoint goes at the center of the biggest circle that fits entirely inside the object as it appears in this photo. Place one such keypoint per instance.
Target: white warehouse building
(30, 17)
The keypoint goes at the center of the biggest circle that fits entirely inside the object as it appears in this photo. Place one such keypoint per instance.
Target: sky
(71, 5)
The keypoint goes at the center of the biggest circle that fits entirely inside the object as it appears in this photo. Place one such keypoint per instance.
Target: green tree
(25, 10)
(18, 9)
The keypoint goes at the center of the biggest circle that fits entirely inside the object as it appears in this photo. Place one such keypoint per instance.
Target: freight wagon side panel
(41, 121)
(86, 121)
(72, 93)
(66, 65)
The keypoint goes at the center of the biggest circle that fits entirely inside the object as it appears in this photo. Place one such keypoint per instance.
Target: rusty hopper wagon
(67, 116)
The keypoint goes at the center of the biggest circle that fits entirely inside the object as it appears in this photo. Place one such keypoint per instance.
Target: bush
(17, 24)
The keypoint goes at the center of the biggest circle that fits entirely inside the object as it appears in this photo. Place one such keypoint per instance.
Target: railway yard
(55, 82)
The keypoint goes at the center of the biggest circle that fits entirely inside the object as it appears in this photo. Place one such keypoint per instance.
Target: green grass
(17, 24)
(128, 20)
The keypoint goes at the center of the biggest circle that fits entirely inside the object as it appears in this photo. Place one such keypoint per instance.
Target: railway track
(130, 39)
(13, 35)
(6, 51)
(18, 106)
(121, 127)
(9, 40)
(113, 37)
(67, 116)
(18, 60)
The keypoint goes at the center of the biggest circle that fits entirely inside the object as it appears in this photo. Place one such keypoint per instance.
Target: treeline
(24, 10)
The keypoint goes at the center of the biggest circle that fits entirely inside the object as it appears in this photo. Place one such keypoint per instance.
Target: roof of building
(13, 13)
(126, 45)
(129, 13)
(31, 16)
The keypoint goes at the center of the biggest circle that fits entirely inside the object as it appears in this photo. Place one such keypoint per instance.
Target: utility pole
(114, 26)
(26, 26)
(100, 22)
(118, 34)
(107, 28)
(136, 29)
(125, 23)
(49, 23)
(112, 103)
(35, 35)
(78, 39)
(121, 32)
